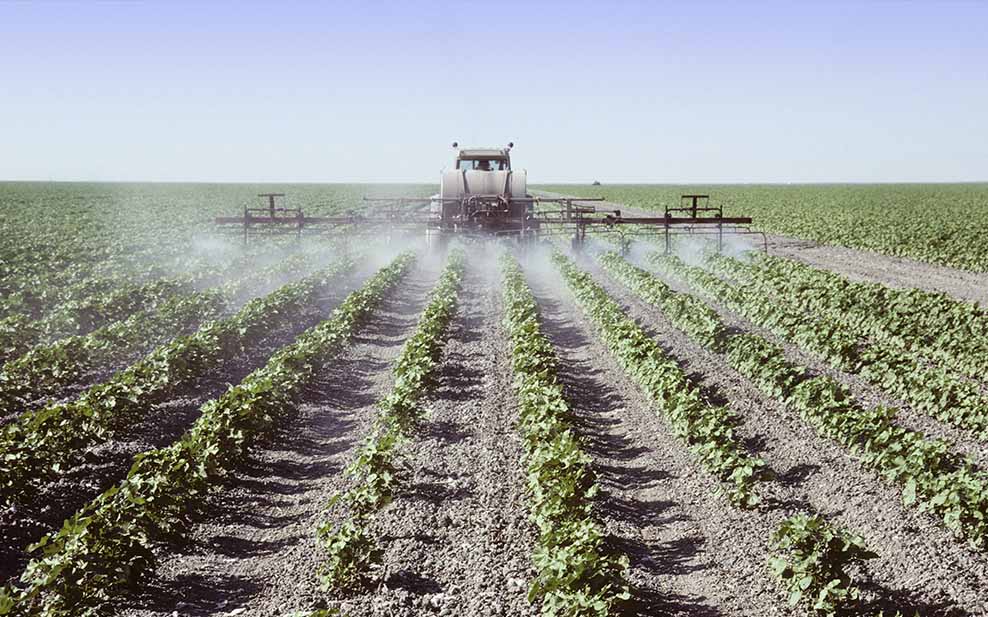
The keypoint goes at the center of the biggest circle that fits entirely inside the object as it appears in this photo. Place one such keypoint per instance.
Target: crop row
(42, 443)
(60, 234)
(47, 310)
(948, 331)
(36, 296)
(928, 389)
(62, 243)
(19, 333)
(351, 548)
(929, 474)
(108, 545)
(86, 237)
(94, 302)
(576, 575)
(706, 429)
(45, 369)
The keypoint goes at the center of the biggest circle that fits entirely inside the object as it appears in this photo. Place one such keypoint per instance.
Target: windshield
(482, 164)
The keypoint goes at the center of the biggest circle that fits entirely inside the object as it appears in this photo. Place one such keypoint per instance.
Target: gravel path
(921, 567)
(861, 265)
(255, 548)
(458, 541)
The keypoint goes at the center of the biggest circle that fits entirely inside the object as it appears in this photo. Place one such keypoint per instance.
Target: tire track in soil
(255, 546)
(920, 566)
(108, 462)
(458, 541)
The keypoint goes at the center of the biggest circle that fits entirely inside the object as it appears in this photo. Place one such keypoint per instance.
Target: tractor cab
(483, 159)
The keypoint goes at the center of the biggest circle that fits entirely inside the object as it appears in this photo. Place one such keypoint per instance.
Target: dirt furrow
(920, 566)
(255, 547)
(457, 538)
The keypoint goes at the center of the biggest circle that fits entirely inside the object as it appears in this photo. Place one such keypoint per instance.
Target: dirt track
(458, 539)
(894, 271)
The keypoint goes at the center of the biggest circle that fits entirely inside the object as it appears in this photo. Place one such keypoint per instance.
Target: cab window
(482, 164)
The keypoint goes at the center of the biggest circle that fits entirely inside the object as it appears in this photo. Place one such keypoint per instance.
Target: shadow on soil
(202, 596)
(437, 492)
(458, 380)
(413, 582)
(898, 601)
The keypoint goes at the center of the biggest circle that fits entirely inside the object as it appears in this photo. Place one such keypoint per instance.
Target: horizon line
(534, 184)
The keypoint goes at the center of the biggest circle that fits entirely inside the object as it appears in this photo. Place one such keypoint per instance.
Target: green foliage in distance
(937, 223)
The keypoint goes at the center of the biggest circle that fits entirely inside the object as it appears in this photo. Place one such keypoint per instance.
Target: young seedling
(814, 563)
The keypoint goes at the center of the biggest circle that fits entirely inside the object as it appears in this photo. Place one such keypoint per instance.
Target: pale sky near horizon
(619, 92)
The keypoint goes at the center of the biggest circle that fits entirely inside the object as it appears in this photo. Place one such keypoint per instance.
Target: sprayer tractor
(482, 196)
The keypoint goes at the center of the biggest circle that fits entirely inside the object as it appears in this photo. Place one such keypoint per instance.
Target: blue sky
(625, 91)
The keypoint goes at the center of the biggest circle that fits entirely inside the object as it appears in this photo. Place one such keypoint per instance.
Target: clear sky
(376, 91)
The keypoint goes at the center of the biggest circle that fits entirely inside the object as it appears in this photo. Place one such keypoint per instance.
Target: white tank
(455, 184)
